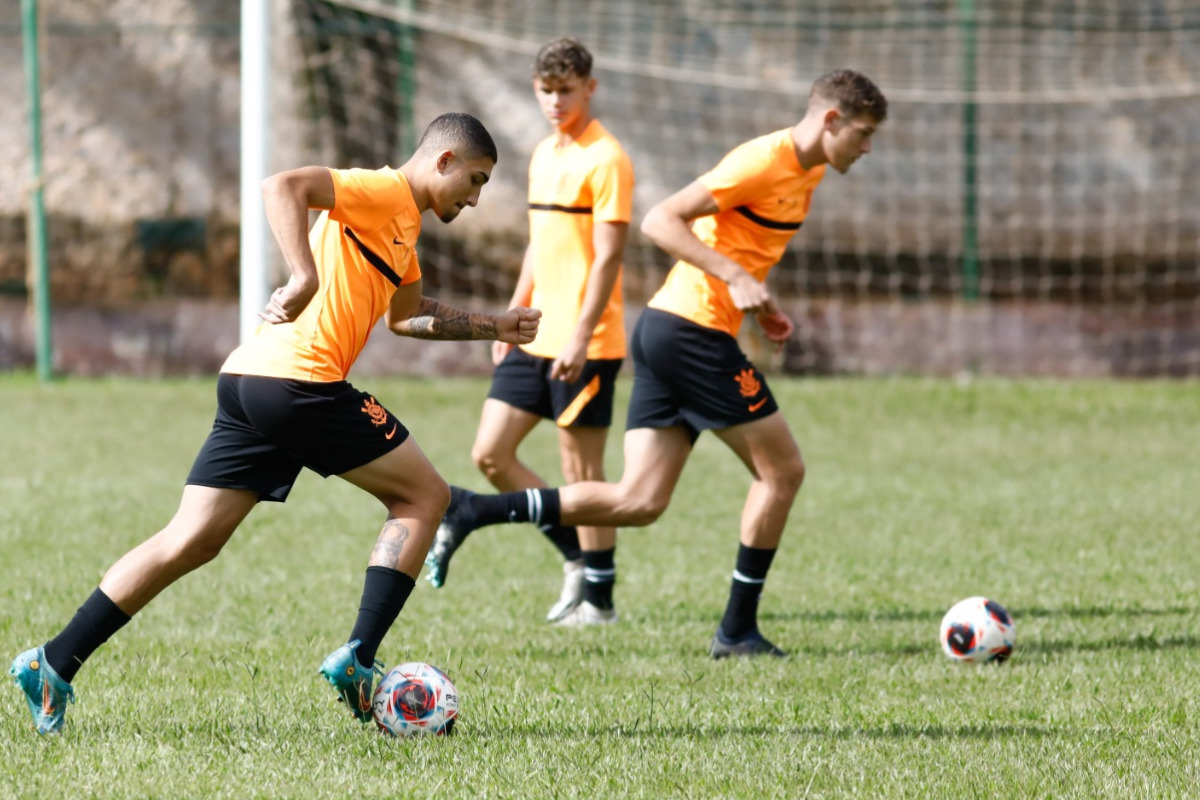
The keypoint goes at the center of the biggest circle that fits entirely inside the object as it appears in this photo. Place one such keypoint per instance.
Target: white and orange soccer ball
(416, 699)
(977, 631)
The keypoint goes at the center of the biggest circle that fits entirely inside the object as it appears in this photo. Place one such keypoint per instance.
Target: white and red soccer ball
(977, 631)
(415, 699)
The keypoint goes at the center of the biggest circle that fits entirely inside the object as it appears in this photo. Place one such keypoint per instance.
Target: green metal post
(970, 124)
(37, 209)
(407, 84)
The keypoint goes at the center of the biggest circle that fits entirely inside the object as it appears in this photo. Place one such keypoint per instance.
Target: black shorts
(689, 375)
(523, 381)
(268, 428)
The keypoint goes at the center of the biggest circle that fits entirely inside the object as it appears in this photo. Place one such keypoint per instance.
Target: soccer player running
(283, 403)
(580, 204)
(727, 229)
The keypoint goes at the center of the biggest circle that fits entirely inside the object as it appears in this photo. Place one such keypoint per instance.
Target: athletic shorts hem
(685, 374)
(279, 495)
(267, 429)
(523, 381)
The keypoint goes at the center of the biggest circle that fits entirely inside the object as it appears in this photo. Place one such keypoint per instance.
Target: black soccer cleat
(752, 644)
(457, 524)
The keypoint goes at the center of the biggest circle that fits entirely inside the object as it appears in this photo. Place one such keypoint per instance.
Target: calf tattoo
(390, 544)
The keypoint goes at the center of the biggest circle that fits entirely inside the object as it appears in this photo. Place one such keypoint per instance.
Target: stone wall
(193, 337)
(1090, 254)
(140, 139)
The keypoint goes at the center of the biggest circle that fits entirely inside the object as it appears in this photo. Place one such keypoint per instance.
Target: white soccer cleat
(572, 591)
(586, 614)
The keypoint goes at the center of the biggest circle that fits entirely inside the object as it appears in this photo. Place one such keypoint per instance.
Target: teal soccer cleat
(46, 694)
(353, 682)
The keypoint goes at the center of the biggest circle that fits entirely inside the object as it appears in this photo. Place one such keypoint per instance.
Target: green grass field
(1074, 504)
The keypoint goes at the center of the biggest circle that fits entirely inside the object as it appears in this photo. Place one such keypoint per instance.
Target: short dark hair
(852, 92)
(562, 57)
(461, 133)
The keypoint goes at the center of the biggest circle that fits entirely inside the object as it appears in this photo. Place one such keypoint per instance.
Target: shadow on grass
(1138, 642)
(1025, 645)
(1025, 649)
(1019, 613)
(652, 730)
(241, 733)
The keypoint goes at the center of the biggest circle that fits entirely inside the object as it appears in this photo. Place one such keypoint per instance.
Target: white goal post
(255, 238)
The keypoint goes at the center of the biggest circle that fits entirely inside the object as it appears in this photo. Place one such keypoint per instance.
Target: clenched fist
(518, 325)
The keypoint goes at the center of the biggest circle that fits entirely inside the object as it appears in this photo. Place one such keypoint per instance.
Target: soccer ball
(415, 699)
(978, 630)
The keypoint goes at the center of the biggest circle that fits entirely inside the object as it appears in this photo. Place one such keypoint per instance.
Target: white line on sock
(535, 505)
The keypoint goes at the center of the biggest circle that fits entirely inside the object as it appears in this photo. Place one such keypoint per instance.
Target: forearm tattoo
(390, 544)
(434, 320)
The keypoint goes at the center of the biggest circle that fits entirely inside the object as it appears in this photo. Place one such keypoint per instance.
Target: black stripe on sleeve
(563, 209)
(373, 257)
(767, 223)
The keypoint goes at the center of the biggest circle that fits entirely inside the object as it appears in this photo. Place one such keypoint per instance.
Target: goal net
(1028, 208)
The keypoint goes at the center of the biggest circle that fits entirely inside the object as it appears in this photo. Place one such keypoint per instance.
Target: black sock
(599, 575)
(95, 621)
(565, 538)
(385, 591)
(741, 614)
(539, 506)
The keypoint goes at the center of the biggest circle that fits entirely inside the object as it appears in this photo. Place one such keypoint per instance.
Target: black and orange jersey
(365, 246)
(570, 189)
(763, 195)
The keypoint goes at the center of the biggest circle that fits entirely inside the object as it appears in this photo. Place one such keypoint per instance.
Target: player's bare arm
(287, 198)
(608, 240)
(414, 315)
(522, 296)
(668, 225)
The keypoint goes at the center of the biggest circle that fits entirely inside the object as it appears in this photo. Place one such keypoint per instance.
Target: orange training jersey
(763, 195)
(570, 189)
(364, 248)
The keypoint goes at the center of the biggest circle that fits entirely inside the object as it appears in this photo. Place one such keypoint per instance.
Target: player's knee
(205, 552)
(192, 549)
(642, 510)
(440, 497)
(430, 503)
(491, 463)
(789, 476)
